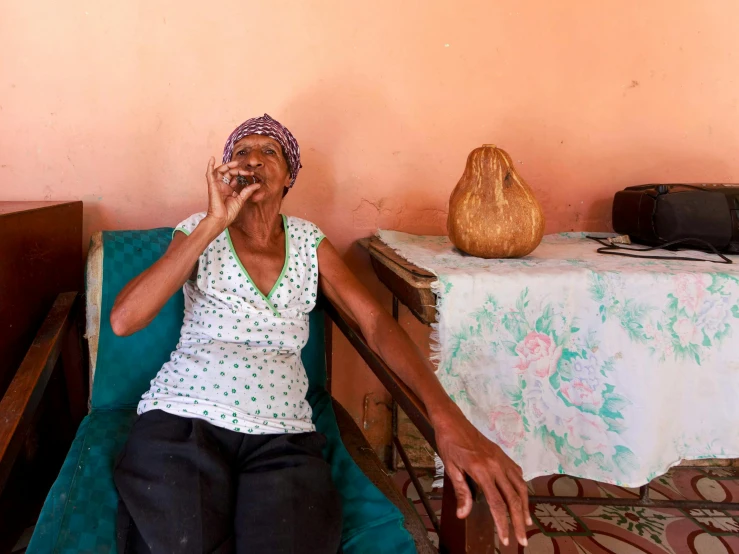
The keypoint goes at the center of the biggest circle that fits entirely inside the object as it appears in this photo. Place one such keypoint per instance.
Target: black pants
(187, 486)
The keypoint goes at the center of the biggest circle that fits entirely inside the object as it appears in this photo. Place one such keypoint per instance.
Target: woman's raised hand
(224, 202)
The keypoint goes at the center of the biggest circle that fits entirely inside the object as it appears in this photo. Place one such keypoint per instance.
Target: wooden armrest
(476, 532)
(405, 397)
(27, 388)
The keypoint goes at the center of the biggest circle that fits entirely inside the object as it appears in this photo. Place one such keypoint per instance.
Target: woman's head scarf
(272, 128)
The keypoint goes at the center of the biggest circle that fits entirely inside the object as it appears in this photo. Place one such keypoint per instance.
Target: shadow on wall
(328, 120)
(557, 157)
(339, 117)
(368, 166)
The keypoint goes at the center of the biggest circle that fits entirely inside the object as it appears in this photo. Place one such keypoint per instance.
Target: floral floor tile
(582, 529)
(557, 520)
(714, 521)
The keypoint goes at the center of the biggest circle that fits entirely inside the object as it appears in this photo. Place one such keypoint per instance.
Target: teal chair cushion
(79, 513)
(122, 371)
(80, 510)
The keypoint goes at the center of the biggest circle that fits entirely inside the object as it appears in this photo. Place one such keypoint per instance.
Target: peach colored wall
(120, 104)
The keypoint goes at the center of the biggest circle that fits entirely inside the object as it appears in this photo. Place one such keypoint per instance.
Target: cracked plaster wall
(121, 104)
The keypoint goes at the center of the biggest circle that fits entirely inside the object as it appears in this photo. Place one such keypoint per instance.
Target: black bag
(699, 216)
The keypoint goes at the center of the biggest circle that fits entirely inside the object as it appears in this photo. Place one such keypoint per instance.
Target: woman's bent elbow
(119, 324)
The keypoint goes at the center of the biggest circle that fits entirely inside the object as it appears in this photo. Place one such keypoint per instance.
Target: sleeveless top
(237, 364)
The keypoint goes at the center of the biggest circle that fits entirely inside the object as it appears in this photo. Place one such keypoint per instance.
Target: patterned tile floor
(560, 529)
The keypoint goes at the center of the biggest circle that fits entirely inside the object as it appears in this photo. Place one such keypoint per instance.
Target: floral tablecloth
(597, 366)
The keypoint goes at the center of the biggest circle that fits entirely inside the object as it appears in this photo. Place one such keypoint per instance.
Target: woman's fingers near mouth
(248, 179)
(243, 181)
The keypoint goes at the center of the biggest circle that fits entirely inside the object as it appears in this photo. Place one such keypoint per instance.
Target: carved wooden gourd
(492, 211)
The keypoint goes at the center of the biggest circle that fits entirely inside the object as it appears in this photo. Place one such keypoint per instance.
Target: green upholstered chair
(80, 510)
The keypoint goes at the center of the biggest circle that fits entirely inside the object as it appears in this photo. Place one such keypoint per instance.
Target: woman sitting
(224, 456)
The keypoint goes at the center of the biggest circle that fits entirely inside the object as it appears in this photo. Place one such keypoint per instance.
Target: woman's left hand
(465, 451)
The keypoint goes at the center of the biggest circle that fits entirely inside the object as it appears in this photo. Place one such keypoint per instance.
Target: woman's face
(263, 159)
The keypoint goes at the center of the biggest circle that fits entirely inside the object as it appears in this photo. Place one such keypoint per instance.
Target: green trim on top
(319, 240)
(284, 267)
(287, 256)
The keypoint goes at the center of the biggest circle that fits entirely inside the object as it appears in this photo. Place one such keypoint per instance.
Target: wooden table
(41, 405)
(409, 283)
(411, 286)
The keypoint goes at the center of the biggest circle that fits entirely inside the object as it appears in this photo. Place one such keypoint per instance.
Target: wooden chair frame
(56, 348)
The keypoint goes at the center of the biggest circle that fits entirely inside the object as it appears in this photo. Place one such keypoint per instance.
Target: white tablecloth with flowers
(597, 366)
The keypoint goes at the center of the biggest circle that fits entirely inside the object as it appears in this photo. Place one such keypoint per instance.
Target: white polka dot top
(238, 364)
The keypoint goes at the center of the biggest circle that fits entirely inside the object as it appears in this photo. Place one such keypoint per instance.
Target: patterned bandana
(272, 128)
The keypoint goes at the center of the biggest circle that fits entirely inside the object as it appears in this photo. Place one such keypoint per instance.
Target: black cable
(609, 248)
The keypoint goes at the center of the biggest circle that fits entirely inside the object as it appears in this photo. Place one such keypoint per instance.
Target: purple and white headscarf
(272, 128)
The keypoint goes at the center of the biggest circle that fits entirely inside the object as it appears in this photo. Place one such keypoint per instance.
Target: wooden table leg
(474, 534)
